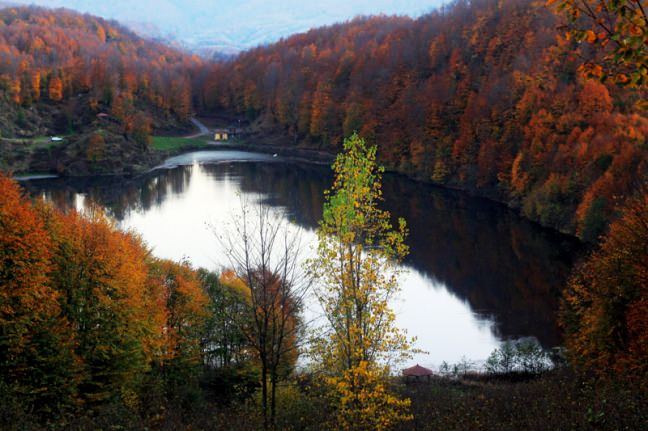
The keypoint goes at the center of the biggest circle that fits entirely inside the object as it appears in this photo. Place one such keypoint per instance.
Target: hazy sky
(239, 24)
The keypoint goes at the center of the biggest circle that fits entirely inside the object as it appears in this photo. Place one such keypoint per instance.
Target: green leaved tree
(357, 271)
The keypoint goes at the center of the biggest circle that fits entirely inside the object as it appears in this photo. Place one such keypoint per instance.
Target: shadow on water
(505, 267)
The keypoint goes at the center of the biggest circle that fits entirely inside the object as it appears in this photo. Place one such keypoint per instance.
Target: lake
(477, 273)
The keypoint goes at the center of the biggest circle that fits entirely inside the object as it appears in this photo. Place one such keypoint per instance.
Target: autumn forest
(537, 106)
(482, 96)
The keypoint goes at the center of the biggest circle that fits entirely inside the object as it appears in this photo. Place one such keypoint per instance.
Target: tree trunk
(264, 394)
(273, 396)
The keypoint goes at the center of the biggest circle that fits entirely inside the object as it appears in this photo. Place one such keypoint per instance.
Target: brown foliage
(605, 311)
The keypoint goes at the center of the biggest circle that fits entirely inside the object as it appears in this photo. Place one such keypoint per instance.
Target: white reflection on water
(179, 227)
(224, 156)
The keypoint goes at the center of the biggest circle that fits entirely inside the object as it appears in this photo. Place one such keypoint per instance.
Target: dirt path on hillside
(202, 129)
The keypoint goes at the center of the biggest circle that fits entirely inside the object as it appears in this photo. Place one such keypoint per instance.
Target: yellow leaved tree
(356, 270)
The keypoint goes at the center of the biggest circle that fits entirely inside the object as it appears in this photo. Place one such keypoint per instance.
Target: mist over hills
(229, 26)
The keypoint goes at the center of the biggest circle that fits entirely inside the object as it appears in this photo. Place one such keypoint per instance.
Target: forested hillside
(300, 329)
(480, 95)
(66, 73)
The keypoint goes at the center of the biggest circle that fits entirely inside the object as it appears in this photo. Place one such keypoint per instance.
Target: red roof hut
(417, 372)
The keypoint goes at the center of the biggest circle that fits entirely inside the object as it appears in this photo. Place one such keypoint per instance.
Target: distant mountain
(230, 26)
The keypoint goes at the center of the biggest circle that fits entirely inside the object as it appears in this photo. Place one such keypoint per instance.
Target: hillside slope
(62, 73)
(480, 95)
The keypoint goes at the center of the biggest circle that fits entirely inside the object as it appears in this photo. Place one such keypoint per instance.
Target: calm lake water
(477, 273)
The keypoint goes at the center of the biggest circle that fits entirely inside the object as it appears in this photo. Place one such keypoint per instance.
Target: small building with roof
(221, 134)
(417, 372)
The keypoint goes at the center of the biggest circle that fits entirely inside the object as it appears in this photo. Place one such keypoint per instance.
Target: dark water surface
(477, 272)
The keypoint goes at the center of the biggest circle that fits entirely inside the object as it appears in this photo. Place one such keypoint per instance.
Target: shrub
(522, 356)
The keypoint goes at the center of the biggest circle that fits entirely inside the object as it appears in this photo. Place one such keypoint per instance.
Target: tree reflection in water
(507, 269)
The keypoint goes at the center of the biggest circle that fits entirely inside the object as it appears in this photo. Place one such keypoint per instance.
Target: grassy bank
(174, 143)
(557, 400)
(78, 154)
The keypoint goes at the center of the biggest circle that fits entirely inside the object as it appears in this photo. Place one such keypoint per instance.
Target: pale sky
(238, 24)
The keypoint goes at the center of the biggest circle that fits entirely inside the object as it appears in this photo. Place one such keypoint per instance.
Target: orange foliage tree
(55, 89)
(101, 274)
(85, 311)
(179, 292)
(605, 309)
(619, 29)
(36, 358)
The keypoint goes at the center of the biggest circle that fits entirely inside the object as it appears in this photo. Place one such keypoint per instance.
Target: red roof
(417, 371)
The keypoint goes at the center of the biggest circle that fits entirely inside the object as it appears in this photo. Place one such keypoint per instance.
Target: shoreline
(318, 157)
(288, 154)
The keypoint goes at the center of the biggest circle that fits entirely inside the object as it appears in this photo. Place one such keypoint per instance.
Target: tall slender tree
(265, 255)
(357, 274)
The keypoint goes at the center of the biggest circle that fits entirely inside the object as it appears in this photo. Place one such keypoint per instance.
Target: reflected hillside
(503, 266)
(118, 195)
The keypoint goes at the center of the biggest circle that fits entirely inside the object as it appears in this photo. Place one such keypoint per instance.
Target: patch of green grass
(171, 143)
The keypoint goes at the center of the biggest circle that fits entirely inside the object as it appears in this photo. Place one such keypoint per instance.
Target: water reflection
(479, 272)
